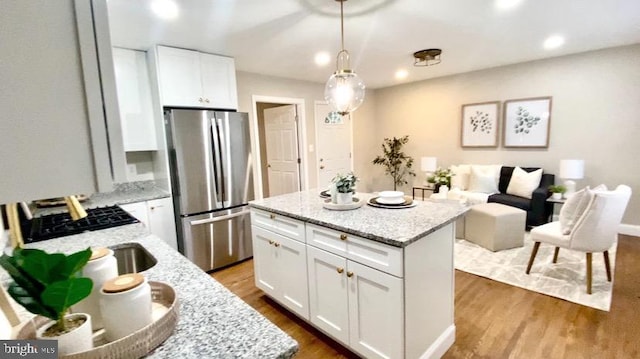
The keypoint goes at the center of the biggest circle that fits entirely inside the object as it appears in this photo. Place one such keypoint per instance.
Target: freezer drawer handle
(218, 219)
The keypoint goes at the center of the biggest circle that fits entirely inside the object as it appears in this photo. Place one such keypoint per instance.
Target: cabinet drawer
(277, 223)
(365, 251)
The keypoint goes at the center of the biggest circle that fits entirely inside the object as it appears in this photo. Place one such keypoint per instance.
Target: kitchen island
(378, 280)
(212, 323)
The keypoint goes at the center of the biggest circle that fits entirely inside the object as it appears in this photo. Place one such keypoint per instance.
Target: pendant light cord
(342, 22)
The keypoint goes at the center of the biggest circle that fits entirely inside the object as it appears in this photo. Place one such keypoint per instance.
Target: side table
(554, 202)
(421, 188)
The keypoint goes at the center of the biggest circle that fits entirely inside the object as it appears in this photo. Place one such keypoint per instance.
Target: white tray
(357, 203)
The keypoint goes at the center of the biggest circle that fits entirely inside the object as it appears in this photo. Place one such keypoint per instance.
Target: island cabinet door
(280, 266)
(376, 312)
(328, 298)
(265, 261)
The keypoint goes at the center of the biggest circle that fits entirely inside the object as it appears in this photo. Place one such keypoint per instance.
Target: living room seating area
(526, 188)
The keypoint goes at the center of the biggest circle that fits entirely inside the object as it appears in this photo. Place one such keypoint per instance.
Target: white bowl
(391, 194)
(390, 200)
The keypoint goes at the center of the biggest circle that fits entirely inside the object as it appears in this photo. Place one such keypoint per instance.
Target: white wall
(595, 117)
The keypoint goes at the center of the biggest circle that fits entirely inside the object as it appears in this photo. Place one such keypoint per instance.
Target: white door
(328, 301)
(376, 312)
(265, 260)
(333, 145)
(281, 135)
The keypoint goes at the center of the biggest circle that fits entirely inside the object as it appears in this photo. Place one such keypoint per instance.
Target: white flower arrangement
(441, 177)
(345, 183)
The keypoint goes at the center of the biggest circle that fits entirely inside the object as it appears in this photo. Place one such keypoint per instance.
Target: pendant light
(344, 90)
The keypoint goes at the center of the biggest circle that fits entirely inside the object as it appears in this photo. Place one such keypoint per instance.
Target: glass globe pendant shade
(344, 91)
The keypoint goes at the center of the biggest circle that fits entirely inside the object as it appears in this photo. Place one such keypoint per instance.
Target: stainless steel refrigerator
(212, 181)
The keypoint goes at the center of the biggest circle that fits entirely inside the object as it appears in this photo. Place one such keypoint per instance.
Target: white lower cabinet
(359, 306)
(158, 216)
(378, 300)
(280, 265)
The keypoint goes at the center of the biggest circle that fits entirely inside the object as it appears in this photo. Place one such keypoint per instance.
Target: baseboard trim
(629, 229)
(441, 344)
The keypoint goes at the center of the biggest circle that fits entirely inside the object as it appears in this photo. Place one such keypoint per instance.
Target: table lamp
(428, 166)
(571, 170)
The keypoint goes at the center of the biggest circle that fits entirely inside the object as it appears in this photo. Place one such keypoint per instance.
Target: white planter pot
(77, 340)
(556, 195)
(344, 198)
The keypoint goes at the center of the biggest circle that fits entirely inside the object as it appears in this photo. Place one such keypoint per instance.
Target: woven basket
(134, 345)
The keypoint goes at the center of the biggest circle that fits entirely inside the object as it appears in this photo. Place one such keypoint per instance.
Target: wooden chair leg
(555, 254)
(607, 265)
(589, 256)
(536, 245)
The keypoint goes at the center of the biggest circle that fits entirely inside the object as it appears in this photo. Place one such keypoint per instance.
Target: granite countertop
(213, 322)
(123, 193)
(397, 227)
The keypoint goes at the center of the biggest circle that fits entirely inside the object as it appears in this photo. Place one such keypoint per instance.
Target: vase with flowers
(441, 177)
(345, 187)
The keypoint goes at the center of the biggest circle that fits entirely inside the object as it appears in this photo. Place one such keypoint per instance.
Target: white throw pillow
(523, 183)
(460, 178)
(573, 209)
(483, 179)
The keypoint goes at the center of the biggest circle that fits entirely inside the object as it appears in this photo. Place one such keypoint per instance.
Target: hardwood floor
(496, 320)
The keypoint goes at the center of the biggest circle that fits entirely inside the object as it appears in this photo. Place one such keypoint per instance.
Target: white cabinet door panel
(376, 308)
(328, 302)
(218, 81)
(138, 210)
(292, 267)
(162, 221)
(264, 260)
(180, 79)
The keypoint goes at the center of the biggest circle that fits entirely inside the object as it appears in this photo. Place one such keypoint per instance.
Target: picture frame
(480, 124)
(527, 122)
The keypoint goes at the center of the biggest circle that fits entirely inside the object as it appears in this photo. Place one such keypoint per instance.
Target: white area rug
(566, 279)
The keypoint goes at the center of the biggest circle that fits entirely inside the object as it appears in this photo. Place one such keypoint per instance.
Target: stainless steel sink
(132, 258)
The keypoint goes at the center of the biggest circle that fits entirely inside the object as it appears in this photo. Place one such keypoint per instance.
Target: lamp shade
(572, 169)
(428, 164)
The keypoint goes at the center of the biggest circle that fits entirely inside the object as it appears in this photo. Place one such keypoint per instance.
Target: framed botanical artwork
(527, 122)
(480, 124)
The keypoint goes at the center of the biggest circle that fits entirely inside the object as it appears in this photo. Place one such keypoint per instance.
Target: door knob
(200, 99)
(269, 166)
(343, 237)
(340, 270)
(321, 167)
(206, 100)
(349, 274)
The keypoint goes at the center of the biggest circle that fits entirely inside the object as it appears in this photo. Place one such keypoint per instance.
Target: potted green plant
(395, 161)
(557, 191)
(441, 177)
(48, 285)
(345, 187)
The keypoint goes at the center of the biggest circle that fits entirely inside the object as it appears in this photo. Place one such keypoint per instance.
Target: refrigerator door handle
(217, 162)
(219, 219)
(225, 161)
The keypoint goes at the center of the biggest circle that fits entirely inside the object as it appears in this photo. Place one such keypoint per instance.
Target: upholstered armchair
(594, 227)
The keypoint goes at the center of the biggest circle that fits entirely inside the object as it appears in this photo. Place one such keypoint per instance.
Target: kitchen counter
(213, 322)
(396, 227)
(129, 192)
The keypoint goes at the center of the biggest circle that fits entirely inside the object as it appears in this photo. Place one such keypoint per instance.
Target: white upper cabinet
(54, 96)
(134, 100)
(194, 79)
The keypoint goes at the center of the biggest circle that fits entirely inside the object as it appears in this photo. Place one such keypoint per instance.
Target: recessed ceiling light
(402, 74)
(553, 42)
(322, 58)
(165, 9)
(506, 4)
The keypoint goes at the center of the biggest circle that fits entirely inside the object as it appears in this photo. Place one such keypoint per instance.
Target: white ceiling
(281, 37)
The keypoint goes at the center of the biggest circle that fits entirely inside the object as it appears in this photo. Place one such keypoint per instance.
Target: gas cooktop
(61, 224)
